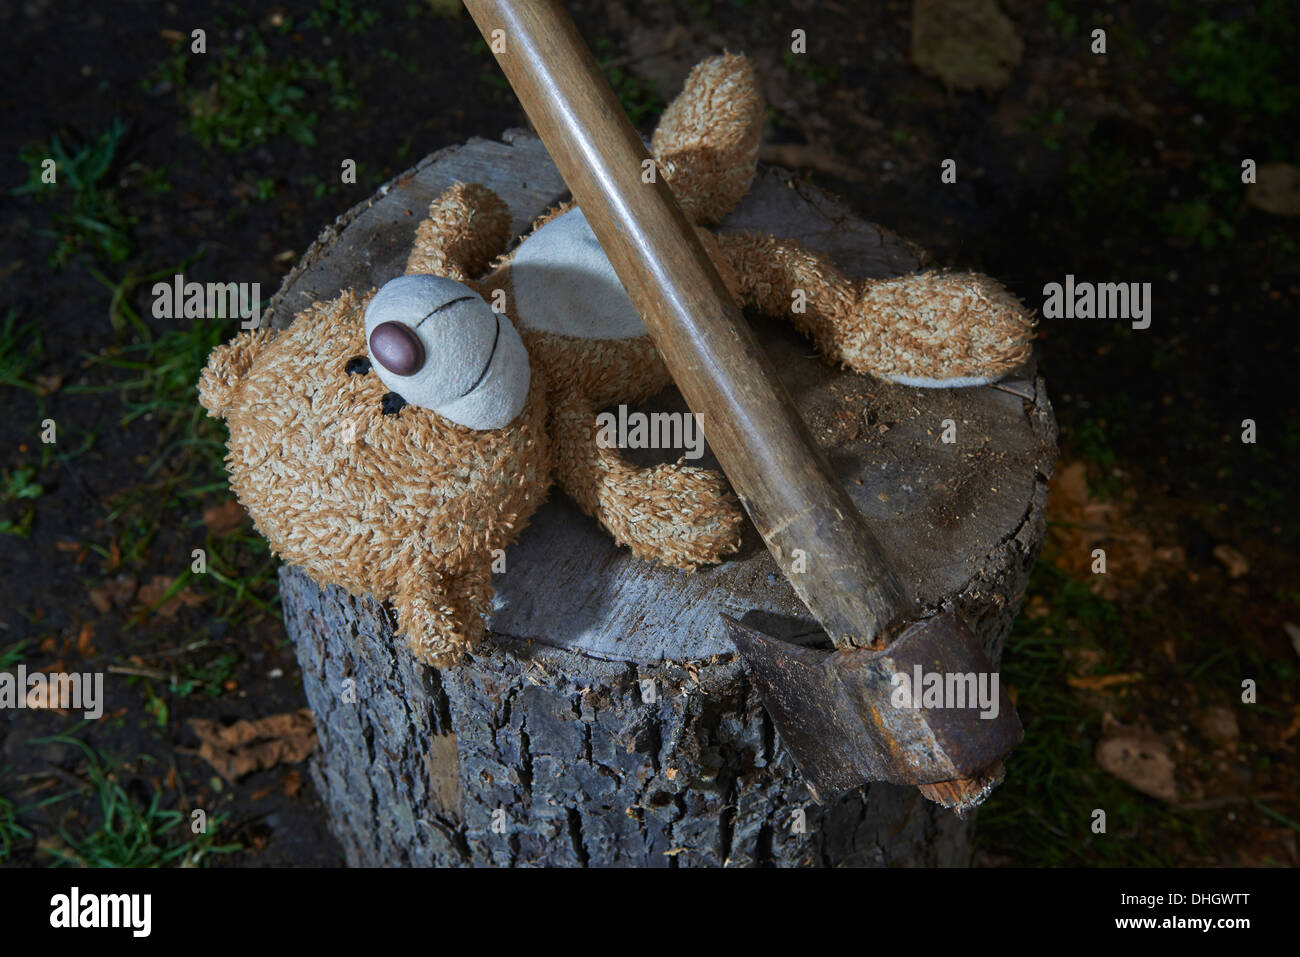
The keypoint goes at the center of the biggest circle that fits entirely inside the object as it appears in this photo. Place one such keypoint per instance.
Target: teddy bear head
(342, 461)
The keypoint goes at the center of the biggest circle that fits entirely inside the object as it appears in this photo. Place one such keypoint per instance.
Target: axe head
(926, 710)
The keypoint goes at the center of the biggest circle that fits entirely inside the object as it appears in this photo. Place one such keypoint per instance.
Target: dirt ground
(1124, 166)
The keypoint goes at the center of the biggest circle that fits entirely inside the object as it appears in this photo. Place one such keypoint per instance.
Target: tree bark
(605, 720)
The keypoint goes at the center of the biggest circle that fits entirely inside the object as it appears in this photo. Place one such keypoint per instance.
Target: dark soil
(1123, 167)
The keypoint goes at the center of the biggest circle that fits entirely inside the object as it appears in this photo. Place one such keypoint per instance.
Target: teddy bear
(390, 441)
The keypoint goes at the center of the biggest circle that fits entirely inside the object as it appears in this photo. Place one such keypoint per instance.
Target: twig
(138, 672)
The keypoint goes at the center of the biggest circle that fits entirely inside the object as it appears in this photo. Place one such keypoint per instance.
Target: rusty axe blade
(855, 715)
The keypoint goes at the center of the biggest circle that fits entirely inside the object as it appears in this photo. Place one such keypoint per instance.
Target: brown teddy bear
(390, 441)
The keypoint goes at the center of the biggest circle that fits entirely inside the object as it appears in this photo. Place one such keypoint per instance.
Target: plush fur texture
(410, 506)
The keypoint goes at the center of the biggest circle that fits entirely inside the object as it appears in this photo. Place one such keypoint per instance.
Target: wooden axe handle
(752, 425)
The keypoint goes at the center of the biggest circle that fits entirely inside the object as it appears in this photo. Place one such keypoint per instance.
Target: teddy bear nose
(397, 348)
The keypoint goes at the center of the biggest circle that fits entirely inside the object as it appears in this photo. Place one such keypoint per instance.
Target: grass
(12, 655)
(208, 678)
(1093, 440)
(129, 832)
(1044, 808)
(155, 379)
(351, 17)
(90, 218)
(21, 343)
(18, 488)
(1238, 65)
(804, 66)
(243, 95)
(11, 832)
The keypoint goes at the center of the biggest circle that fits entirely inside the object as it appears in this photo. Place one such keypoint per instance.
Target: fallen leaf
(1219, 724)
(1232, 560)
(49, 384)
(1141, 760)
(968, 44)
(1292, 632)
(1102, 682)
(84, 647)
(1078, 525)
(152, 593)
(291, 783)
(114, 594)
(223, 519)
(246, 746)
(1276, 189)
(1293, 727)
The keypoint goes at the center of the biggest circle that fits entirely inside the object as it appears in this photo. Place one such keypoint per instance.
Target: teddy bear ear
(226, 366)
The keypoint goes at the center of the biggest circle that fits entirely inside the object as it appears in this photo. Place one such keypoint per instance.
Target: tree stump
(605, 719)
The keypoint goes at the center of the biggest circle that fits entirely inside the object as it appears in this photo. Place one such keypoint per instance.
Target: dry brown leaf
(1293, 632)
(153, 592)
(1232, 560)
(49, 384)
(246, 746)
(1102, 682)
(84, 647)
(968, 44)
(1219, 724)
(223, 519)
(114, 594)
(1276, 189)
(1140, 758)
(1078, 525)
(1293, 726)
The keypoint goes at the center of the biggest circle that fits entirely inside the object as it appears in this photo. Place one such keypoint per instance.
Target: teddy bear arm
(934, 329)
(780, 278)
(442, 614)
(707, 141)
(467, 226)
(676, 515)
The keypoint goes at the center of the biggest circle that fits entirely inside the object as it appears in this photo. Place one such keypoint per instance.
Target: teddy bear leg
(468, 225)
(707, 140)
(676, 515)
(442, 615)
(933, 329)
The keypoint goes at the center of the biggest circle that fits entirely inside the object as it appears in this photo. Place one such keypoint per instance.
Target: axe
(847, 717)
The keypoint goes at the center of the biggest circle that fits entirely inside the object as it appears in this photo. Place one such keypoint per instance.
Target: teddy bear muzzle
(438, 345)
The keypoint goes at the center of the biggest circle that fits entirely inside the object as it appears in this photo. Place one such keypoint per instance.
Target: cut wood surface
(551, 725)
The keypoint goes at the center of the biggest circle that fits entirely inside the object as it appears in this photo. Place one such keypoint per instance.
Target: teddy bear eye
(357, 365)
(392, 403)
